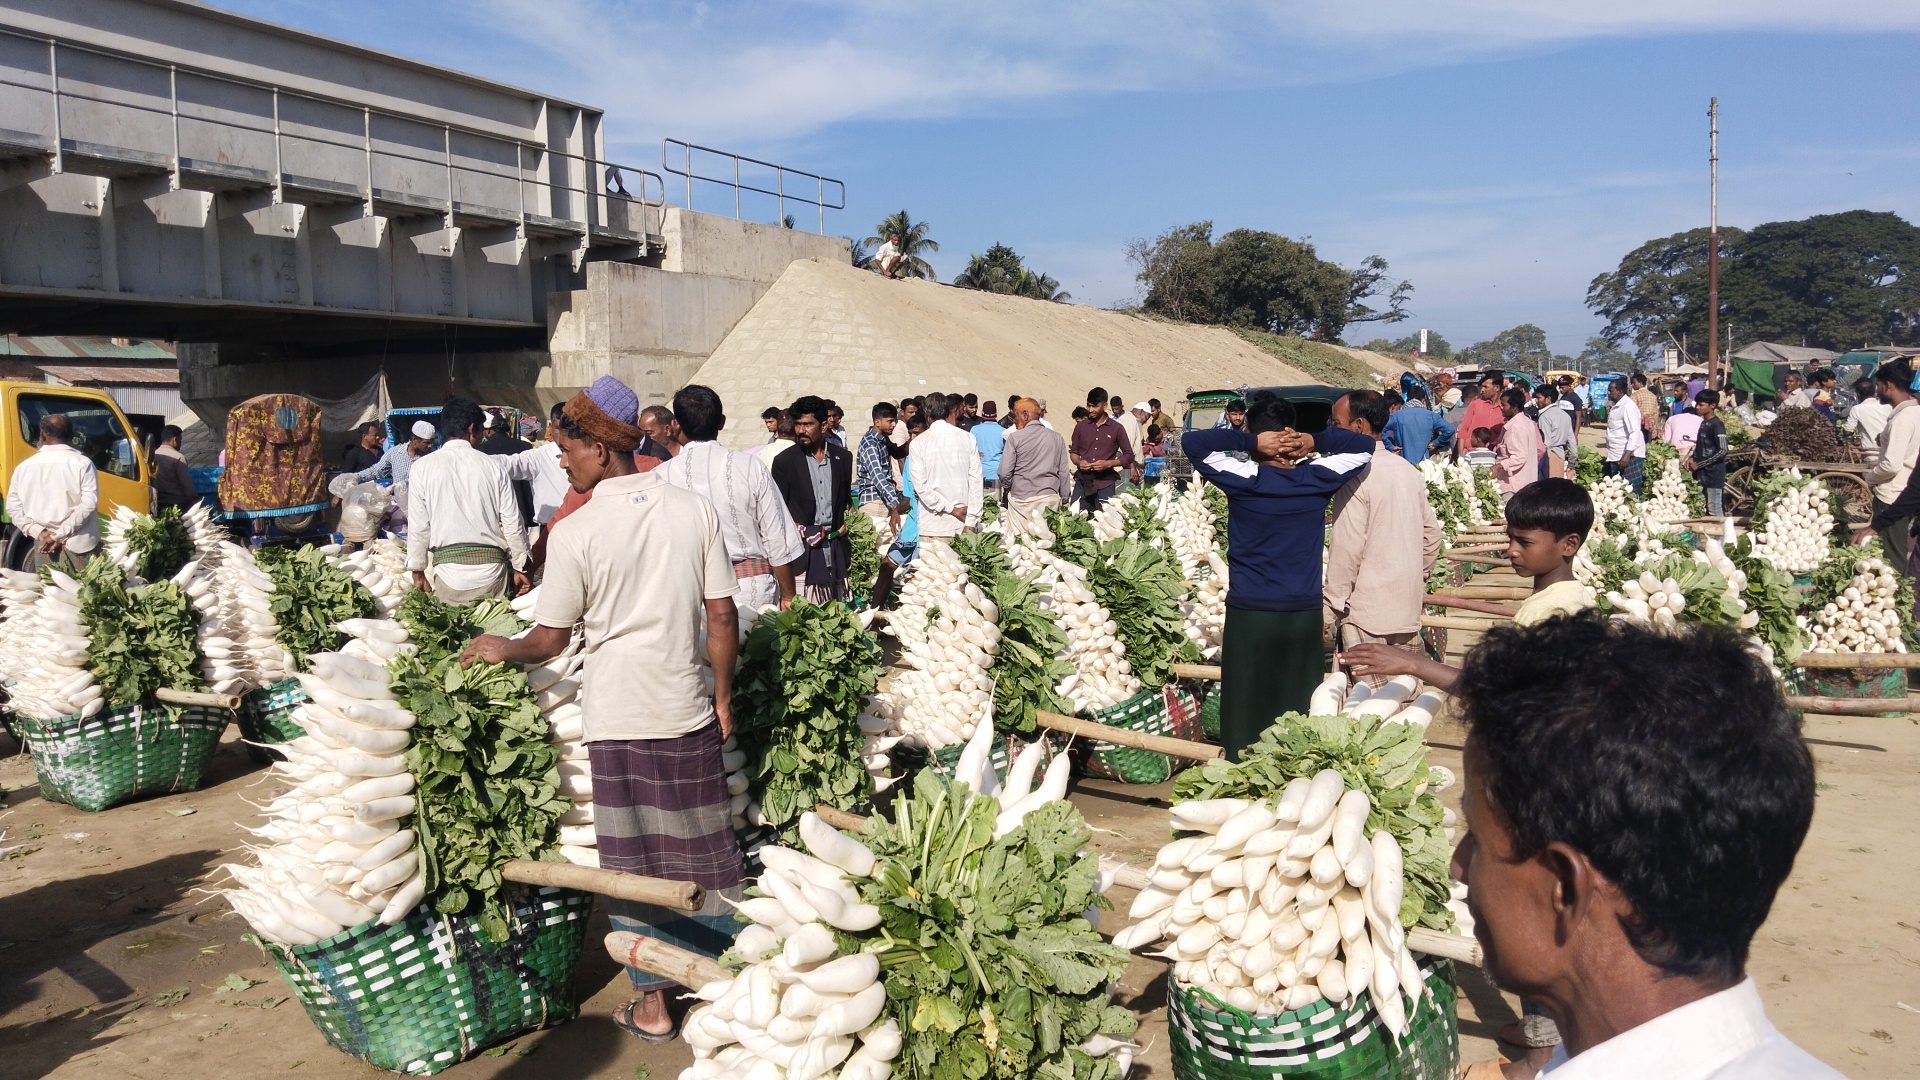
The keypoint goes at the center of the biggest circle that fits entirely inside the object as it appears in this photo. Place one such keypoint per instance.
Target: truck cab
(1312, 404)
(100, 431)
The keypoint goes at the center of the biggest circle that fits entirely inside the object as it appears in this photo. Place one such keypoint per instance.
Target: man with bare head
(1034, 471)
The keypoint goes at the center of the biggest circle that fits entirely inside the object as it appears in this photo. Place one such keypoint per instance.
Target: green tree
(1370, 280)
(1835, 281)
(1520, 348)
(1038, 286)
(913, 240)
(1001, 270)
(1177, 269)
(1603, 355)
(1437, 346)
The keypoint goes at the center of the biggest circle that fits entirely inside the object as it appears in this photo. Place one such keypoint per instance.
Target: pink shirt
(1682, 431)
(1519, 454)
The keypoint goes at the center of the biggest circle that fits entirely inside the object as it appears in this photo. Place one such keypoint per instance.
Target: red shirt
(1481, 413)
(1104, 441)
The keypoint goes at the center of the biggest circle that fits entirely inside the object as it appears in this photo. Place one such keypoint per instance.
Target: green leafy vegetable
(990, 967)
(1658, 454)
(1216, 502)
(1487, 495)
(1834, 575)
(438, 628)
(486, 780)
(1141, 588)
(804, 675)
(863, 566)
(1770, 594)
(311, 594)
(140, 638)
(160, 543)
(1068, 525)
(1387, 761)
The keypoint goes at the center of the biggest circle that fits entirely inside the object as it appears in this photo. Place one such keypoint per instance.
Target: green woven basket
(1214, 1041)
(121, 754)
(1169, 711)
(266, 716)
(432, 990)
(1207, 692)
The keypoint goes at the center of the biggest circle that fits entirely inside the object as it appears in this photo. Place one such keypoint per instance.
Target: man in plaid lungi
(636, 568)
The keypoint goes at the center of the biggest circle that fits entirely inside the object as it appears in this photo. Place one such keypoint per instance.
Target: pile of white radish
(387, 584)
(1612, 498)
(238, 632)
(1190, 528)
(801, 1009)
(1110, 521)
(43, 649)
(334, 854)
(1667, 496)
(949, 636)
(1459, 477)
(1102, 676)
(1206, 609)
(1398, 701)
(1865, 617)
(1649, 599)
(556, 688)
(1797, 534)
(1272, 908)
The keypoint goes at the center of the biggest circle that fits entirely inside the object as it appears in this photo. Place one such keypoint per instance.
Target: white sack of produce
(334, 851)
(948, 632)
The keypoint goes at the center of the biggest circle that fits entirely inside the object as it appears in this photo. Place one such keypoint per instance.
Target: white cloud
(769, 73)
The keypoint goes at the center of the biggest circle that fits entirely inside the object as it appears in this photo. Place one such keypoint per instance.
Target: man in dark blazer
(815, 478)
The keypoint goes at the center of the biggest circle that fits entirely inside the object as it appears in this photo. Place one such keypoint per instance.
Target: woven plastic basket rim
(196, 715)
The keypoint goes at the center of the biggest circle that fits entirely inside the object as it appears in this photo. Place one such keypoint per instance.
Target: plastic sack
(362, 506)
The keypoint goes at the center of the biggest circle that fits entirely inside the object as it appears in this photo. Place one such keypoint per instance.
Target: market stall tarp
(1755, 377)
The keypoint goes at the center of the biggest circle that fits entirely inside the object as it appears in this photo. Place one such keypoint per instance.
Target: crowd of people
(1622, 923)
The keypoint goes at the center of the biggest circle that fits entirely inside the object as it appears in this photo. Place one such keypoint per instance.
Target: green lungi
(1270, 663)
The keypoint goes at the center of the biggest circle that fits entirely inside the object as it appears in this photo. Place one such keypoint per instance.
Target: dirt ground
(114, 961)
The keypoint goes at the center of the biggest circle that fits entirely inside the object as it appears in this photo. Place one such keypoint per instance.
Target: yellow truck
(100, 431)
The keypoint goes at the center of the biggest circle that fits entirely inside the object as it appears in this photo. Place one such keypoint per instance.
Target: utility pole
(1713, 243)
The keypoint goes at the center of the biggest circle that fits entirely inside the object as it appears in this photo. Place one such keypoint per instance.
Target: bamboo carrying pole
(1159, 744)
(1485, 592)
(1441, 622)
(1854, 706)
(678, 895)
(228, 702)
(1464, 604)
(1197, 671)
(1873, 661)
(689, 969)
(1449, 946)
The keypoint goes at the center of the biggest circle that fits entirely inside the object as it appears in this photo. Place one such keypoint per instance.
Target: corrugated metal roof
(113, 375)
(97, 348)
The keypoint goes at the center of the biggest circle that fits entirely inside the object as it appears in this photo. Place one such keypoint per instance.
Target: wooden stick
(839, 819)
(1443, 623)
(1197, 671)
(1464, 604)
(1854, 706)
(1159, 744)
(228, 702)
(1486, 592)
(678, 895)
(1448, 946)
(1873, 661)
(689, 969)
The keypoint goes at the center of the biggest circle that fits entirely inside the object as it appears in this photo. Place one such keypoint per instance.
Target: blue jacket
(1415, 432)
(1276, 518)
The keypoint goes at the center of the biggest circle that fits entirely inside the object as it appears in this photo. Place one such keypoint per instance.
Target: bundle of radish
(1295, 873)
(1667, 500)
(1110, 521)
(1860, 604)
(44, 647)
(949, 632)
(1102, 677)
(338, 848)
(238, 631)
(906, 900)
(1793, 523)
(311, 595)
(1206, 612)
(387, 585)
(1613, 512)
(804, 676)
(556, 688)
(1190, 528)
(151, 546)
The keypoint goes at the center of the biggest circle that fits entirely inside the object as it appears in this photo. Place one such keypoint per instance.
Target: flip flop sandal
(623, 1018)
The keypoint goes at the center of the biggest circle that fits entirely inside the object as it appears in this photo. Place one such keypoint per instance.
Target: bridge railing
(237, 132)
(691, 165)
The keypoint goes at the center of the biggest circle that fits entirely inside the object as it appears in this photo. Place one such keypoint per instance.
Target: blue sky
(1498, 153)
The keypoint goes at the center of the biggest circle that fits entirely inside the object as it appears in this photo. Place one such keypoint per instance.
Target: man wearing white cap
(395, 466)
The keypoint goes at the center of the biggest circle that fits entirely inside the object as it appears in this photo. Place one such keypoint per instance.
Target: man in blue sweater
(1416, 432)
(1272, 657)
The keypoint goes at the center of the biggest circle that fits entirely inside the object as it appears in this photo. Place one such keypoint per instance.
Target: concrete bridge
(308, 211)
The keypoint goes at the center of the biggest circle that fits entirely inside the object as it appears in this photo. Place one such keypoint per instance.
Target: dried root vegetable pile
(952, 943)
(1295, 873)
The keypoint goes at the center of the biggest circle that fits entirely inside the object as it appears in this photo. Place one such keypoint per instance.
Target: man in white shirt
(1867, 419)
(54, 496)
(1133, 422)
(762, 543)
(945, 465)
(465, 538)
(540, 467)
(1620, 856)
(1899, 452)
(1626, 439)
(887, 259)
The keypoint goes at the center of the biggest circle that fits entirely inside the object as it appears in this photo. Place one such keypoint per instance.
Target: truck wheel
(16, 548)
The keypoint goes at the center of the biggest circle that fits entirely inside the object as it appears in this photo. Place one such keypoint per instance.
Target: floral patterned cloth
(273, 454)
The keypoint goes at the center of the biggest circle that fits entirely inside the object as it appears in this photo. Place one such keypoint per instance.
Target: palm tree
(1037, 286)
(982, 274)
(913, 241)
